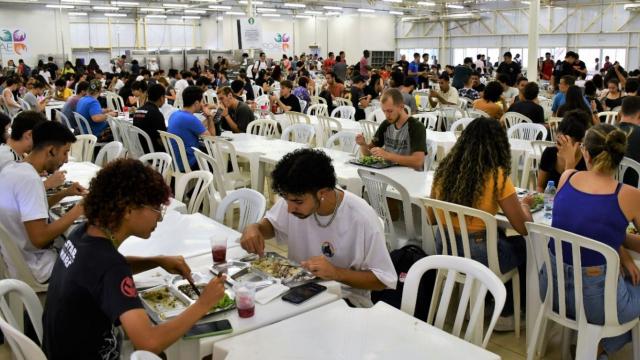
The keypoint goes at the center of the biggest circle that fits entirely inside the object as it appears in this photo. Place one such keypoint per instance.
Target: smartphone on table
(302, 293)
(209, 329)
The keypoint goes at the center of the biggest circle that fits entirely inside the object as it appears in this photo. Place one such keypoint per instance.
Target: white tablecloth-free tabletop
(336, 331)
(347, 125)
(51, 105)
(446, 139)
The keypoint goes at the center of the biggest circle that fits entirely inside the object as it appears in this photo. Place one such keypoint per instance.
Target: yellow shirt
(65, 94)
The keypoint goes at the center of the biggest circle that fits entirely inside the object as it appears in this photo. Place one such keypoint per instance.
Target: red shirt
(327, 66)
(547, 69)
(363, 67)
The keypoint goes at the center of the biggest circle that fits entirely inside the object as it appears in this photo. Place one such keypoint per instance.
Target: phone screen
(209, 329)
(302, 293)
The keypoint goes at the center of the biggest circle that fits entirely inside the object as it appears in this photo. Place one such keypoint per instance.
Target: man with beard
(333, 233)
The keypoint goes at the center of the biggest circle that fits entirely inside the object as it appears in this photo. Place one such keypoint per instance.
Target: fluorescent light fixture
(332, 13)
(156, 16)
(151, 9)
(366, 10)
(60, 6)
(261, 10)
(332, 8)
(526, 2)
(124, 3)
(631, 6)
(219, 7)
(454, 6)
(115, 15)
(396, 13)
(195, 12)
(77, 14)
(303, 16)
(190, 17)
(313, 12)
(393, 1)
(244, 2)
(238, 13)
(294, 5)
(270, 15)
(461, 15)
(75, 1)
(426, 3)
(172, 5)
(106, 8)
(219, 18)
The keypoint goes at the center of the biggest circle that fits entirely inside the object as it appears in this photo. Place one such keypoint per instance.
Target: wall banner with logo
(13, 42)
(250, 33)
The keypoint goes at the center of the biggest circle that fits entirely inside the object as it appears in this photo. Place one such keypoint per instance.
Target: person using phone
(334, 234)
(91, 290)
(287, 101)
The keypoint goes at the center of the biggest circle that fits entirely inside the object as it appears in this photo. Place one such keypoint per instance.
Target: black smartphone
(209, 329)
(302, 293)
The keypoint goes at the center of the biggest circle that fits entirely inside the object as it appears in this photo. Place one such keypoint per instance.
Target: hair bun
(616, 143)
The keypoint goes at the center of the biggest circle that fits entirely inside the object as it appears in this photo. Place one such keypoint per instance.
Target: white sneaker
(505, 323)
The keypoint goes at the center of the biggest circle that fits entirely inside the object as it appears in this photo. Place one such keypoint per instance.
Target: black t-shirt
(356, 94)
(512, 70)
(633, 150)
(249, 91)
(548, 164)
(479, 88)
(149, 118)
(405, 66)
(581, 65)
(90, 287)
(291, 101)
(370, 90)
(241, 115)
(124, 93)
(562, 69)
(529, 109)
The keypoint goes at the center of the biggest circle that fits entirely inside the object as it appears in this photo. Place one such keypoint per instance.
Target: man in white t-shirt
(261, 63)
(332, 233)
(24, 204)
(184, 82)
(448, 95)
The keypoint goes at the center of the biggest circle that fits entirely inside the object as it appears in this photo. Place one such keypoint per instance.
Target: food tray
(297, 275)
(66, 185)
(377, 165)
(242, 272)
(64, 207)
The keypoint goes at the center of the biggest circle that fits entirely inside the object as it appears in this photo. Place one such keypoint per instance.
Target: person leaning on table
(92, 292)
(332, 233)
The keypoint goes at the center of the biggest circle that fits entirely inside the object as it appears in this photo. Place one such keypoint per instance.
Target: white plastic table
(446, 139)
(347, 125)
(336, 331)
(51, 105)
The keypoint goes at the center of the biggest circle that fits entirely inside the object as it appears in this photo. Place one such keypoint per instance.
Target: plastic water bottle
(549, 195)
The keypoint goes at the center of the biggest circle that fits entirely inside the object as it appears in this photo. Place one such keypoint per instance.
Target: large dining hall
(319, 179)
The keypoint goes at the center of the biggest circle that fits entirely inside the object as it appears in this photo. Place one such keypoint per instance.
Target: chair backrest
(27, 296)
(461, 124)
(178, 102)
(476, 113)
(344, 112)
(199, 181)
(174, 146)
(264, 127)
(477, 280)
(134, 144)
(369, 129)
(463, 103)
(376, 116)
(554, 122)
(546, 104)
(377, 186)
(430, 121)
(340, 101)
(295, 117)
(318, 109)
(257, 90)
(626, 164)
(318, 100)
(527, 131)
(210, 164)
(23, 104)
(539, 146)
(115, 129)
(14, 264)
(109, 152)
(430, 157)
(407, 109)
(518, 157)
(610, 117)
(263, 100)
(144, 355)
(159, 161)
(543, 238)
(83, 124)
(343, 141)
(22, 347)
(115, 102)
(303, 105)
(210, 97)
(511, 118)
(63, 119)
(252, 207)
(300, 133)
(327, 127)
(82, 148)
(448, 115)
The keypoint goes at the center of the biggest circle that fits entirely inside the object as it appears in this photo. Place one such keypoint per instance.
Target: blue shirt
(188, 128)
(414, 67)
(560, 98)
(87, 107)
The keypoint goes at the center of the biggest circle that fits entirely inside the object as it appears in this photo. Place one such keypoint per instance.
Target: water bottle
(549, 195)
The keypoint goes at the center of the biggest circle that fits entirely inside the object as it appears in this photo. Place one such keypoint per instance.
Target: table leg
(260, 175)
(254, 164)
(533, 302)
(184, 349)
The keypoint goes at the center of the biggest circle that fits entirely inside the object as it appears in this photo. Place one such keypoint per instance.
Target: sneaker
(505, 323)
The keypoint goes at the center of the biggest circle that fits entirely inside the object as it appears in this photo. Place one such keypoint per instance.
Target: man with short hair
(404, 64)
(70, 106)
(287, 101)
(24, 203)
(479, 64)
(187, 126)
(607, 64)
(149, 118)
(358, 98)
(414, 68)
(20, 141)
(560, 97)
(630, 123)
(236, 114)
(407, 94)
(528, 106)
(509, 67)
(468, 92)
(364, 65)
(261, 63)
(340, 68)
(476, 84)
(508, 91)
(462, 73)
(184, 82)
(563, 69)
(62, 92)
(448, 95)
(520, 85)
(546, 68)
(400, 138)
(329, 62)
(332, 233)
(89, 107)
(579, 68)
(335, 88)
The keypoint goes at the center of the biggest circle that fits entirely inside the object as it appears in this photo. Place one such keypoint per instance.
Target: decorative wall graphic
(13, 42)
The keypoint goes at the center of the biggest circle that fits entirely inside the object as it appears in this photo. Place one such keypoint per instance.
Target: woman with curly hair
(91, 290)
(491, 102)
(476, 174)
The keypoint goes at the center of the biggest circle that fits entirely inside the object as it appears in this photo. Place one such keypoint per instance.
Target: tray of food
(372, 162)
(66, 185)
(279, 267)
(63, 207)
(239, 272)
(538, 200)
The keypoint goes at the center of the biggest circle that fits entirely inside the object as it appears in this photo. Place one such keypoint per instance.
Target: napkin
(271, 292)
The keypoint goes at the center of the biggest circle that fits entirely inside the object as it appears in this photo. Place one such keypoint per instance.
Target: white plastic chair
(134, 144)
(340, 101)
(511, 118)
(543, 237)
(144, 355)
(430, 157)
(252, 207)
(115, 102)
(326, 128)
(224, 152)
(199, 181)
(303, 105)
(477, 280)
(377, 116)
(343, 141)
(447, 214)
(263, 100)
(476, 113)
(159, 161)
(83, 124)
(518, 159)
(318, 100)
(22, 347)
(448, 115)
(14, 265)
(610, 117)
(369, 129)
(407, 109)
(539, 146)
(264, 127)
(109, 152)
(430, 121)
(627, 164)
(377, 187)
(116, 129)
(218, 189)
(177, 151)
(257, 90)
(318, 109)
(210, 97)
(527, 131)
(344, 112)
(461, 124)
(62, 118)
(300, 133)
(295, 117)
(82, 148)
(23, 104)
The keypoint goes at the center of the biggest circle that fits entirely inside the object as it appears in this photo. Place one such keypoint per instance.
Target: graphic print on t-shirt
(128, 288)
(397, 140)
(109, 349)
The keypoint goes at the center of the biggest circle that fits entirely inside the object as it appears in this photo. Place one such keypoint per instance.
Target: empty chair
(257, 90)
(511, 118)
(252, 207)
(339, 101)
(159, 161)
(295, 117)
(447, 116)
(369, 129)
(263, 127)
(62, 118)
(318, 109)
(22, 347)
(14, 264)
(300, 133)
(610, 117)
(527, 131)
(116, 129)
(174, 146)
(177, 103)
(210, 97)
(326, 127)
(135, 137)
(461, 124)
(430, 157)
(218, 189)
(82, 148)
(109, 152)
(343, 141)
(83, 124)
(477, 279)
(629, 172)
(115, 102)
(344, 112)
(225, 153)
(199, 181)
(429, 121)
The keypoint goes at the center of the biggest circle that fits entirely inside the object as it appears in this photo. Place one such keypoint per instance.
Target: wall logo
(282, 40)
(13, 43)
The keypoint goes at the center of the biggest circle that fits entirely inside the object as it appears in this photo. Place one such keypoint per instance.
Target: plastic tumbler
(245, 299)
(219, 249)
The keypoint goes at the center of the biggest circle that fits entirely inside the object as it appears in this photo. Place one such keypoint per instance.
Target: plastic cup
(245, 299)
(219, 249)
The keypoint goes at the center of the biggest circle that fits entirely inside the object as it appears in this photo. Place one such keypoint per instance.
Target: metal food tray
(160, 314)
(62, 208)
(377, 165)
(302, 278)
(64, 186)
(238, 272)
(178, 282)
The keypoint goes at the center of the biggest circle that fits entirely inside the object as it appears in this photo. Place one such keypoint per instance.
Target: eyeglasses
(162, 211)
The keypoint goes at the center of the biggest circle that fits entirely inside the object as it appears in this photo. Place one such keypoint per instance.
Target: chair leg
(544, 337)
(537, 336)
(515, 281)
(566, 343)
(635, 334)
(588, 339)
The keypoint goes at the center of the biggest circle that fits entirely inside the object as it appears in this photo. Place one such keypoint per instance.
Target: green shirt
(410, 138)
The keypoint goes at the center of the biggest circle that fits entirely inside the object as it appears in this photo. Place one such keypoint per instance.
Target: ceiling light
(238, 13)
(270, 15)
(332, 7)
(454, 6)
(526, 2)
(77, 14)
(396, 13)
(60, 6)
(75, 1)
(393, 1)
(313, 12)
(175, 5)
(115, 15)
(151, 9)
(332, 13)
(213, 1)
(266, 10)
(294, 5)
(156, 16)
(631, 6)
(190, 17)
(366, 10)
(107, 8)
(219, 7)
(124, 3)
(195, 12)
(303, 16)
(219, 18)
(426, 3)
(244, 2)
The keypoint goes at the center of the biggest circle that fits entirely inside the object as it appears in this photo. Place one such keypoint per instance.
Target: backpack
(402, 260)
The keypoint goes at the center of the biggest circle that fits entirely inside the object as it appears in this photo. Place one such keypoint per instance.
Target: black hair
(574, 124)
(398, 78)
(60, 82)
(190, 95)
(139, 86)
(631, 85)
(51, 133)
(575, 100)
(155, 92)
(303, 81)
(237, 86)
(444, 76)
(409, 82)
(82, 86)
(630, 105)
(357, 79)
(186, 74)
(569, 80)
(4, 121)
(203, 81)
(25, 121)
(503, 78)
(531, 91)
(590, 88)
(492, 91)
(303, 171)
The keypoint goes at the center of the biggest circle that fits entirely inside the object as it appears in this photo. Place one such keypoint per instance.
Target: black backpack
(402, 260)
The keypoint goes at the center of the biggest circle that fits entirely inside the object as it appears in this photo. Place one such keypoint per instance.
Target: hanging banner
(250, 33)
(277, 43)
(13, 42)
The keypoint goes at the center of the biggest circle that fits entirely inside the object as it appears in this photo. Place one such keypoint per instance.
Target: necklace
(333, 215)
(110, 236)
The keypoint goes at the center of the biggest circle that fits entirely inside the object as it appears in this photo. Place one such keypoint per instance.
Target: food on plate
(225, 302)
(277, 267)
(538, 201)
(188, 290)
(162, 300)
(369, 160)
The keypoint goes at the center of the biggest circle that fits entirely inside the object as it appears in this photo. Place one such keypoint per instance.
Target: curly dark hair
(481, 151)
(492, 91)
(122, 184)
(303, 171)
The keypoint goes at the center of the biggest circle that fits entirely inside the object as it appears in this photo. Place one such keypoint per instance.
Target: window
(409, 53)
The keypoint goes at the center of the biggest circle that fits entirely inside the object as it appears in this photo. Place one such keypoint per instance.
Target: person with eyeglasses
(91, 291)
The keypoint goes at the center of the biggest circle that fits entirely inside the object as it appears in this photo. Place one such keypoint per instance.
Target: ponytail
(607, 147)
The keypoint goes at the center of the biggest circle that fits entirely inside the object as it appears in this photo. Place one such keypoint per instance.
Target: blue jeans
(628, 299)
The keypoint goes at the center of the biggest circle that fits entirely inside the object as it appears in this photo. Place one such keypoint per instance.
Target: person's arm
(172, 264)
(621, 78)
(284, 107)
(232, 124)
(359, 279)
(9, 100)
(517, 212)
(41, 234)
(415, 160)
(74, 190)
(253, 236)
(442, 100)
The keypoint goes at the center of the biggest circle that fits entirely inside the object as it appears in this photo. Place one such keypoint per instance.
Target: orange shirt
(493, 109)
(336, 90)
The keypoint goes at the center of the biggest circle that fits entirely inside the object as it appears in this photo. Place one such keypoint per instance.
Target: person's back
(629, 123)
(461, 74)
(31, 99)
(340, 69)
(88, 106)
(185, 125)
(149, 119)
(529, 109)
